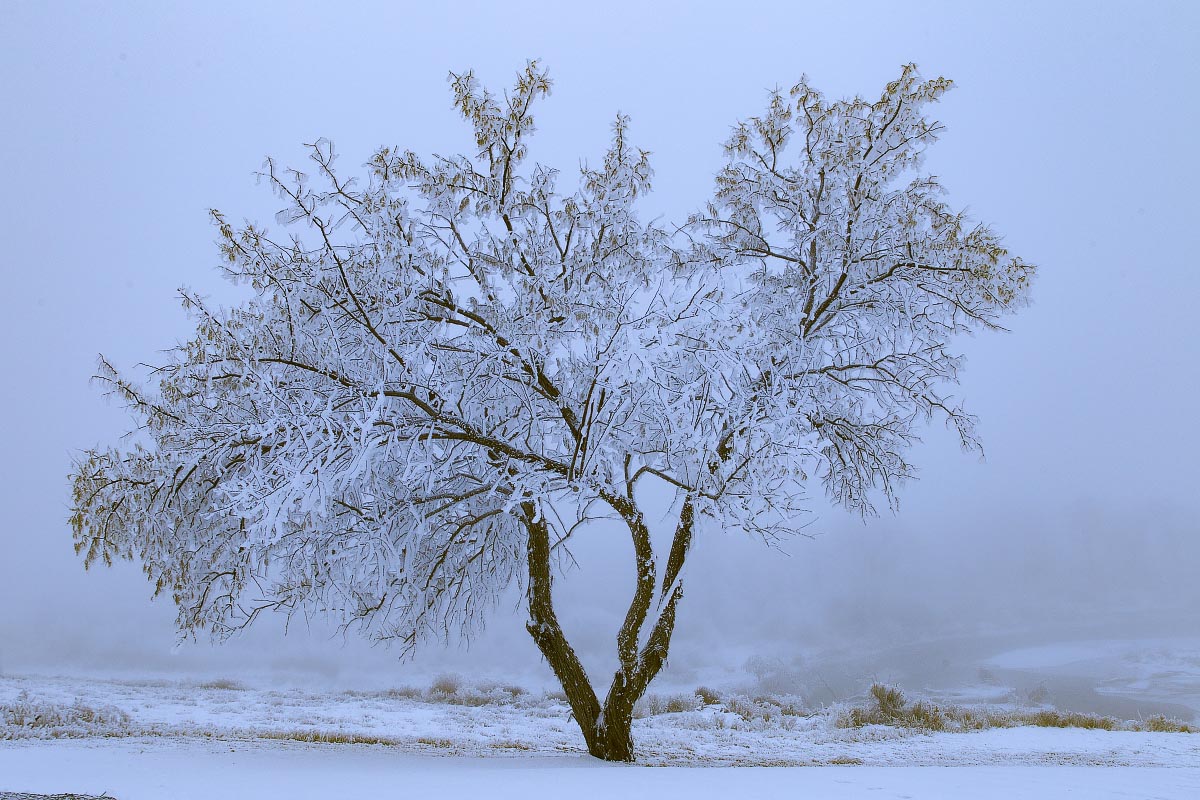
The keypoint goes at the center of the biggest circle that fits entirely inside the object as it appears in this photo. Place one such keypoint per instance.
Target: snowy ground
(187, 769)
(155, 739)
(498, 721)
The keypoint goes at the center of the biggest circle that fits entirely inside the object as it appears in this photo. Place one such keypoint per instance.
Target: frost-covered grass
(889, 706)
(464, 718)
(28, 717)
(453, 690)
(449, 714)
(758, 706)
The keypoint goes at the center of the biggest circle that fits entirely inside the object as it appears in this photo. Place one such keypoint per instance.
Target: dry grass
(224, 684)
(1053, 718)
(448, 684)
(746, 709)
(652, 705)
(451, 689)
(432, 741)
(890, 707)
(844, 761)
(511, 745)
(1162, 724)
(326, 737)
(501, 689)
(72, 796)
(26, 717)
(764, 708)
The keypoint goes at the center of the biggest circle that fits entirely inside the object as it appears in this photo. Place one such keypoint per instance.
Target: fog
(1072, 130)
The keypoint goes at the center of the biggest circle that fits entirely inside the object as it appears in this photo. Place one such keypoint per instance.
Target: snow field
(133, 769)
(496, 721)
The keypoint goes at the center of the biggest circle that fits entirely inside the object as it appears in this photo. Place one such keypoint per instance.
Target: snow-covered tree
(452, 366)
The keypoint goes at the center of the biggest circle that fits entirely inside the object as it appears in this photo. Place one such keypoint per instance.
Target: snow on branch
(438, 346)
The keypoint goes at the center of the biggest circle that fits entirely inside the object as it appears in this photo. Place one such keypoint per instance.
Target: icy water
(1128, 671)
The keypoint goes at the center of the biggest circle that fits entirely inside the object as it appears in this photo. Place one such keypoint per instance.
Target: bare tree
(447, 370)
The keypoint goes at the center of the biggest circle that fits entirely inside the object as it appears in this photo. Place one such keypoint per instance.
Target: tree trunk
(548, 635)
(613, 740)
(607, 729)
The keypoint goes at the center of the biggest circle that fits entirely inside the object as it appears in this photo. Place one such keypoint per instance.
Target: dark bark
(548, 634)
(680, 544)
(607, 729)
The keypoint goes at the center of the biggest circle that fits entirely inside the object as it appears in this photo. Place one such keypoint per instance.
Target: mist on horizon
(1081, 523)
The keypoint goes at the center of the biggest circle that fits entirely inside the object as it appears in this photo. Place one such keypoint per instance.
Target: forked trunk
(613, 740)
(607, 728)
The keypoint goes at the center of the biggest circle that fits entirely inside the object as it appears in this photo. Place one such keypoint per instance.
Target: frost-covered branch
(447, 367)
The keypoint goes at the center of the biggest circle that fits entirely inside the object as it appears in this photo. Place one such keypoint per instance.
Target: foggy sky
(1072, 130)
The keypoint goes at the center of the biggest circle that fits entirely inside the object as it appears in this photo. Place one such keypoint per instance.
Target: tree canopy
(450, 366)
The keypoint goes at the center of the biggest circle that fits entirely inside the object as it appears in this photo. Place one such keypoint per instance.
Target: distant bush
(226, 684)
(988, 677)
(890, 707)
(454, 690)
(474, 699)
(502, 689)
(1037, 695)
(787, 705)
(889, 700)
(776, 677)
(746, 709)
(761, 708)
(709, 697)
(679, 703)
(1161, 724)
(446, 684)
(652, 705)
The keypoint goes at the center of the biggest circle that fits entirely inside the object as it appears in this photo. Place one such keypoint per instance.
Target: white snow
(189, 739)
(492, 722)
(141, 769)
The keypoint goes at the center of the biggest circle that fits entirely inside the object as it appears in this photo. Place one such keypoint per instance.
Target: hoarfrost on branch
(449, 367)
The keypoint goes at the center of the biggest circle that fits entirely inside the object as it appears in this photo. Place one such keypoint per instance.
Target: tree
(447, 371)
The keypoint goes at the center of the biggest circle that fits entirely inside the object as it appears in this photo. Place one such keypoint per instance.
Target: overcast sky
(1072, 131)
